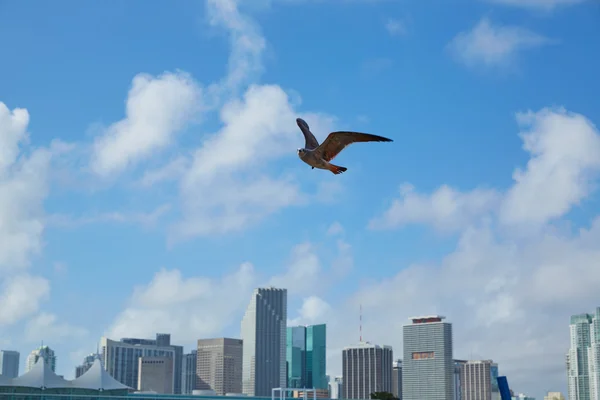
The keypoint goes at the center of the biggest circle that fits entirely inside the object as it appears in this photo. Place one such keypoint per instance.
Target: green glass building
(306, 356)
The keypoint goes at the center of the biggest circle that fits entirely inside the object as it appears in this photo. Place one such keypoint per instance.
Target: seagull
(318, 156)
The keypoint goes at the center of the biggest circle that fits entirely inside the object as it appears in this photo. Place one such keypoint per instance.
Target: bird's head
(300, 151)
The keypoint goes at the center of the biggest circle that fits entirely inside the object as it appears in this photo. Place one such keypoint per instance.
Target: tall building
(219, 365)
(366, 368)
(458, 367)
(156, 374)
(9, 363)
(495, 389)
(120, 358)
(336, 390)
(476, 380)
(397, 379)
(428, 352)
(163, 340)
(87, 363)
(188, 372)
(306, 357)
(44, 351)
(263, 330)
(583, 357)
(296, 357)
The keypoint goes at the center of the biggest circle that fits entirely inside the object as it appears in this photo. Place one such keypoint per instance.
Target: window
(422, 355)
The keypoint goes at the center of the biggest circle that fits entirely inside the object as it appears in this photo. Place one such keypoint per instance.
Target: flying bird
(318, 156)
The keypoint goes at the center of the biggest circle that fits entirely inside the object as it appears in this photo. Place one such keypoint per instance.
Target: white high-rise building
(219, 365)
(263, 331)
(366, 368)
(44, 351)
(583, 357)
(476, 380)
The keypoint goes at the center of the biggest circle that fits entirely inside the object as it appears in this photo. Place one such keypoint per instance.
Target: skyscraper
(296, 357)
(583, 357)
(219, 365)
(306, 357)
(476, 380)
(336, 390)
(43, 351)
(188, 372)
(458, 367)
(397, 379)
(428, 352)
(366, 368)
(263, 330)
(120, 358)
(9, 363)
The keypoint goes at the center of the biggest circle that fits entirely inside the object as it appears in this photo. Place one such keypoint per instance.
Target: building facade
(219, 365)
(121, 358)
(46, 353)
(306, 357)
(397, 379)
(9, 363)
(366, 368)
(264, 332)
(476, 380)
(583, 357)
(156, 374)
(458, 366)
(428, 352)
(188, 372)
(336, 388)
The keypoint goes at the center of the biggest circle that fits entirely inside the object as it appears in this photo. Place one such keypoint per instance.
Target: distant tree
(383, 396)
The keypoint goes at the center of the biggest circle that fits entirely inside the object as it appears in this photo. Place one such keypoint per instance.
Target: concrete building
(306, 357)
(476, 380)
(366, 368)
(583, 357)
(121, 358)
(9, 363)
(336, 388)
(428, 352)
(163, 340)
(458, 366)
(397, 379)
(188, 372)
(156, 374)
(219, 365)
(263, 331)
(554, 396)
(46, 353)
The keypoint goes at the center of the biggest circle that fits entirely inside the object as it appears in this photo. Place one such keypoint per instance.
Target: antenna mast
(360, 319)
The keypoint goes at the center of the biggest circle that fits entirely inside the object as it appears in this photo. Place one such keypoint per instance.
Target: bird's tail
(336, 169)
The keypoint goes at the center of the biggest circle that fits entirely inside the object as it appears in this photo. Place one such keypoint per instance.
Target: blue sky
(203, 95)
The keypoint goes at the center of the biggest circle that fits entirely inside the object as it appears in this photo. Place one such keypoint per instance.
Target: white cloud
(45, 326)
(304, 272)
(157, 108)
(21, 296)
(543, 5)
(23, 189)
(335, 229)
(189, 308)
(395, 27)
(447, 209)
(565, 159)
(314, 310)
(490, 45)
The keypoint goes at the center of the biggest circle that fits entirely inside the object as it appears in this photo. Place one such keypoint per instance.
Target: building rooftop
(425, 319)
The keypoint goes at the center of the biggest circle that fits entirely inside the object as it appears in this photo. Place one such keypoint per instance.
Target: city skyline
(150, 181)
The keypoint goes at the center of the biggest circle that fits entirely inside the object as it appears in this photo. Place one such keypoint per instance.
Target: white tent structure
(97, 378)
(42, 377)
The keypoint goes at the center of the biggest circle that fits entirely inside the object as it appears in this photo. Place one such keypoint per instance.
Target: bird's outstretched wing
(310, 141)
(337, 141)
